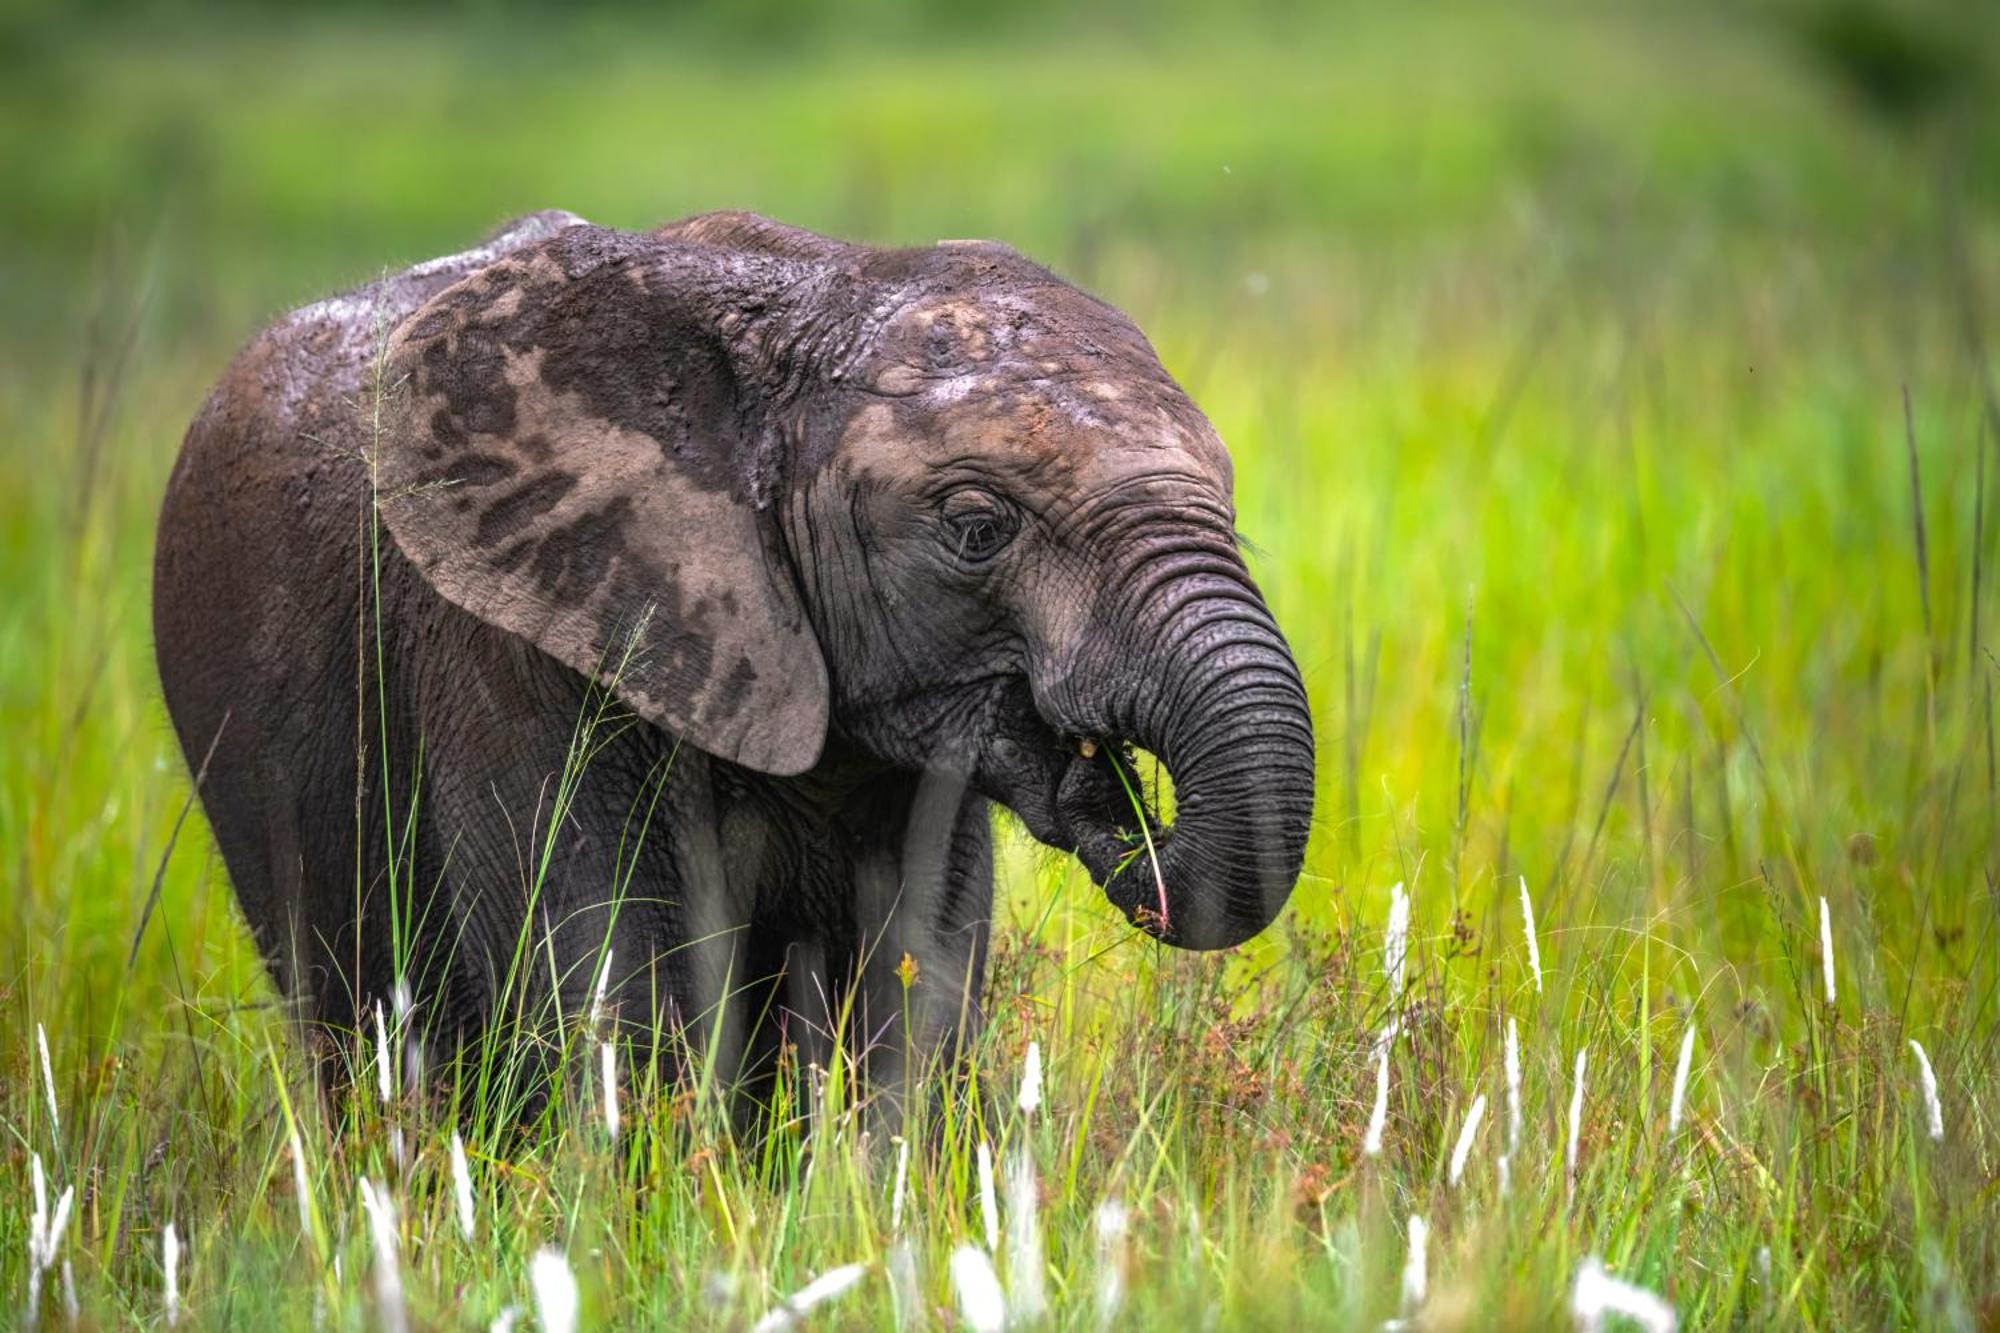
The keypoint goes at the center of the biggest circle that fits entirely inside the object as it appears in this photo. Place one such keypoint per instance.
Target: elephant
(658, 616)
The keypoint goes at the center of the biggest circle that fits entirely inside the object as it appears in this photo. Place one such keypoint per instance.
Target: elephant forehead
(1047, 330)
(1089, 432)
(1077, 415)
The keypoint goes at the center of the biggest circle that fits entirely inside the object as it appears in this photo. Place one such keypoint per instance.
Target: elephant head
(934, 508)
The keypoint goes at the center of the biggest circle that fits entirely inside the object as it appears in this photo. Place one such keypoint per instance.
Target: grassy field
(1606, 390)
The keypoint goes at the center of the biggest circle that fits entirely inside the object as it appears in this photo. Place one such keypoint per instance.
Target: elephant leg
(795, 1003)
(557, 875)
(716, 954)
(924, 908)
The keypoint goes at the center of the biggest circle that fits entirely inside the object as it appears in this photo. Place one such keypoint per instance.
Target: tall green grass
(1564, 368)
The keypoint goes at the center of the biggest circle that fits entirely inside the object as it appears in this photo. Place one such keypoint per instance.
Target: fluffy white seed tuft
(1396, 942)
(45, 1233)
(1031, 1080)
(1677, 1107)
(1826, 947)
(902, 1180)
(1111, 1222)
(302, 1187)
(170, 1260)
(1026, 1280)
(38, 1220)
(384, 1071)
(901, 1262)
(1416, 1266)
(989, 1212)
(388, 1276)
(1513, 1066)
(36, 1223)
(556, 1298)
(1466, 1136)
(1378, 1119)
(978, 1288)
(1528, 932)
(609, 1069)
(1575, 1119)
(1933, 1112)
(48, 1080)
(598, 988)
(1597, 1294)
(820, 1290)
(461, 1189)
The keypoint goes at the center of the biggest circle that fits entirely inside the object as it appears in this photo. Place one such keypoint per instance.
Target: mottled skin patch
(606, 519)
(864, 538)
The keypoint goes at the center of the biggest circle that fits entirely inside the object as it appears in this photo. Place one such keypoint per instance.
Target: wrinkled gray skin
(862, 539)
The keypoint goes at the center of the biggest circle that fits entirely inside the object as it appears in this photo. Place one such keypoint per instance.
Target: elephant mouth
(1239, 757)
(1102, 808)
(1083, 795)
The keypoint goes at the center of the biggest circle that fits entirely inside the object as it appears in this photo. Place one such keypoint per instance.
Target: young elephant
(684, 597)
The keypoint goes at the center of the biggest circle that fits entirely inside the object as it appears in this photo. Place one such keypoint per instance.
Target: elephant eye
(977, 526)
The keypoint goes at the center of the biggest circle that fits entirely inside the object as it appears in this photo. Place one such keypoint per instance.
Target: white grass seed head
(1513, 1069)
(1575, 1118)
(597, 989)
(1416, 1266)
(301, 1187)
(1466, 1137)
(1396, 942)
(1677, 1107)
(989, 1212)
(170, 1262)
(978, 1289)
(38, 1186)
(48, 1080)
(556, 1297)
(1111, 1222)
(461, 1189)
(375, 1202)
(1027, 1291)
(1528, 933)
(902, 1181)
(1927, 1077)
(1030, 1099)
(45, 1232)
(384, 1070)
(1597, 1294)
(832, 1283)
(1378, 1119)
(904, 1290)
(609, 1068)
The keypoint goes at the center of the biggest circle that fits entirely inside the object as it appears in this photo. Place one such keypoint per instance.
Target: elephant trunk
(1222, 706)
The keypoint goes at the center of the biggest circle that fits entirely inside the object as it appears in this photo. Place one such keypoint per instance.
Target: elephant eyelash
(980, 533)
(980, 537)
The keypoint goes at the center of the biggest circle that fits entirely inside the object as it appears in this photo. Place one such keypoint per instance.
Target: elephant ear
(571, 453)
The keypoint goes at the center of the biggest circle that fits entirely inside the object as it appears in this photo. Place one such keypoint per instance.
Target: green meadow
(1612, 396)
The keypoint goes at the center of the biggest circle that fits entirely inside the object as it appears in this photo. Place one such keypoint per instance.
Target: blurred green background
(248, 156)
(1567, 327)
(1562, 349)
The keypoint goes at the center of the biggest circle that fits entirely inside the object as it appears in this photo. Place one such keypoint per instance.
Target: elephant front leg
(923, 909)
